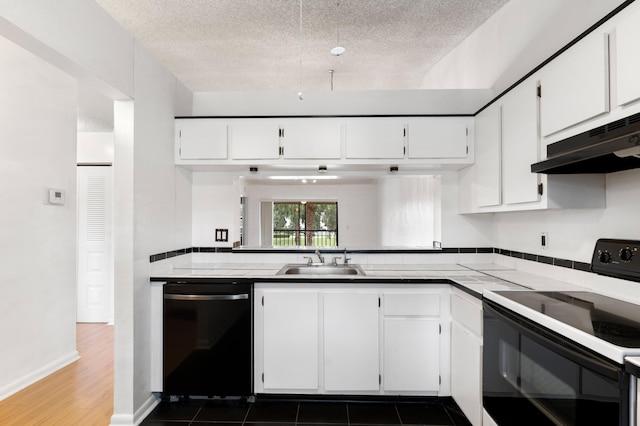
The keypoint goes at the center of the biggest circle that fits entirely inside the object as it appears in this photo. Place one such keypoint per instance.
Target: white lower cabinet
(411, 354)
(351, 361)
(369, 339)
(466, 354)
(411, 350)
(290, 357)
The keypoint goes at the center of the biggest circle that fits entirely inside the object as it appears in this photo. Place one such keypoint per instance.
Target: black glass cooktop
(610, 319)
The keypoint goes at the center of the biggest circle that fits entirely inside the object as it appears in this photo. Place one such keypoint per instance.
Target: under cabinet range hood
(609, 148)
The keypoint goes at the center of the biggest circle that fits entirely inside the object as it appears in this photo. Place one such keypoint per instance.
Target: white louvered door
(95, 253)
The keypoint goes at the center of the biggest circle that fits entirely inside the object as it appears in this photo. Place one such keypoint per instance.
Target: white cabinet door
(312, 139)
(411, 354)
(466, 372)
(201, 139)
(257, 139)
(520, 143)
(291, 327)
(375, 139)
(351, 348)
(628, 60)
(488, 156)
(575, 85)
(438, 137)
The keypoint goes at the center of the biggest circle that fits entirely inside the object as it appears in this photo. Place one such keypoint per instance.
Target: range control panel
(617, 258)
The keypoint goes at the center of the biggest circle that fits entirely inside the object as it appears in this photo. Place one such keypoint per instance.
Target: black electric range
(606, 325)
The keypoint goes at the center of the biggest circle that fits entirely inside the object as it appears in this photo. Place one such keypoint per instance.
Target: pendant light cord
(338, 23)
(300, 59)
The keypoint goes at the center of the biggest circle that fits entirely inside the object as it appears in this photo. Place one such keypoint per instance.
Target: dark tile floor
(435, 411)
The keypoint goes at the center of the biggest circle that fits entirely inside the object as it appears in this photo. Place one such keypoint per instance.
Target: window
(305, 224)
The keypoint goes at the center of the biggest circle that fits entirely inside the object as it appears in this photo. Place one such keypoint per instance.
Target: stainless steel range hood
(605, 149)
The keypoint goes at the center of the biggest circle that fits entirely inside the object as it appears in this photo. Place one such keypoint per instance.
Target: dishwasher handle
(196, 297)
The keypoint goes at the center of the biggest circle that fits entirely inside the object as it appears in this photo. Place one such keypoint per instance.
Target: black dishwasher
(207, 339)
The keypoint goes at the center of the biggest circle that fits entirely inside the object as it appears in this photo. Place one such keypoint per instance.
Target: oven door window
(530, 380)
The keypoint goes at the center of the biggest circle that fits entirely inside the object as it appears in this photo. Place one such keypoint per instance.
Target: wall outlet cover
(55, 196)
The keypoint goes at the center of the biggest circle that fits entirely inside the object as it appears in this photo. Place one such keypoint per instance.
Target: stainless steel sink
(304, 269)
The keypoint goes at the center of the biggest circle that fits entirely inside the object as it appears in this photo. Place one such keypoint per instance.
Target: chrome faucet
(346, 259)
(321, 258)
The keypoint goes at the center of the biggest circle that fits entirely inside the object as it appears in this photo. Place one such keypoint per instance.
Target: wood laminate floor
(78, 394)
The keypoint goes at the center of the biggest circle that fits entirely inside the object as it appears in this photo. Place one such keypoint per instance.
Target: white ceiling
(263, 45)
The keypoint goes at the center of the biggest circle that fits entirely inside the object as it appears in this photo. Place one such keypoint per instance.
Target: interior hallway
(79, 394)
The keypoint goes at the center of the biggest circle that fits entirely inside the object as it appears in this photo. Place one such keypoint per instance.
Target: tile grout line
(194, 417)
(348, 416)
(398, 413)
(244, 421)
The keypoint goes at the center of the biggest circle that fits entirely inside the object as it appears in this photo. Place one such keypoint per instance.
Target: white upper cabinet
(575, 85)
(438, 137)
(293, 141)
(488, 156)
(628, 60)
(312, 139)
(201, 139)
(255, 139)
(375, 138)
(520, 144)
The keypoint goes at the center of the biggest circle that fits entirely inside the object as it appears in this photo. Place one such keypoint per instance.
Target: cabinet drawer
(411, 304)
(467, 314)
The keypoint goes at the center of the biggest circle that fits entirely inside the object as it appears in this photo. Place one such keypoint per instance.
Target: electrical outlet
(222, 235)
(544, 240)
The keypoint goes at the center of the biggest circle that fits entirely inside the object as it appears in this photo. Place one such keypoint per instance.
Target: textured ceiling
(258, 45)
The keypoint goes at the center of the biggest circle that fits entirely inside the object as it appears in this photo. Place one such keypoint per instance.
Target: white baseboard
(25, 381)
(136, 418)
(145, 409)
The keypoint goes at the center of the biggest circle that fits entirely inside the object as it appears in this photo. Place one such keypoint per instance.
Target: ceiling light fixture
(338, 50)
(296, 178)
(332, 72)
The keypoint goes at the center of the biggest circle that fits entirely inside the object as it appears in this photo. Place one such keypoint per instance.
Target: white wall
(355, 102)
(95, 148)
(77, 36)
(573, 233)
(461, 230)
(407, 211)
(519, 37)
(148, 218)
(151, 196)
(38, 274)
(216, 203)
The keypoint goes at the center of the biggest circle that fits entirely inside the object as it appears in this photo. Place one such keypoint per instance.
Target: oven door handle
(206, 297)
(564, 347)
